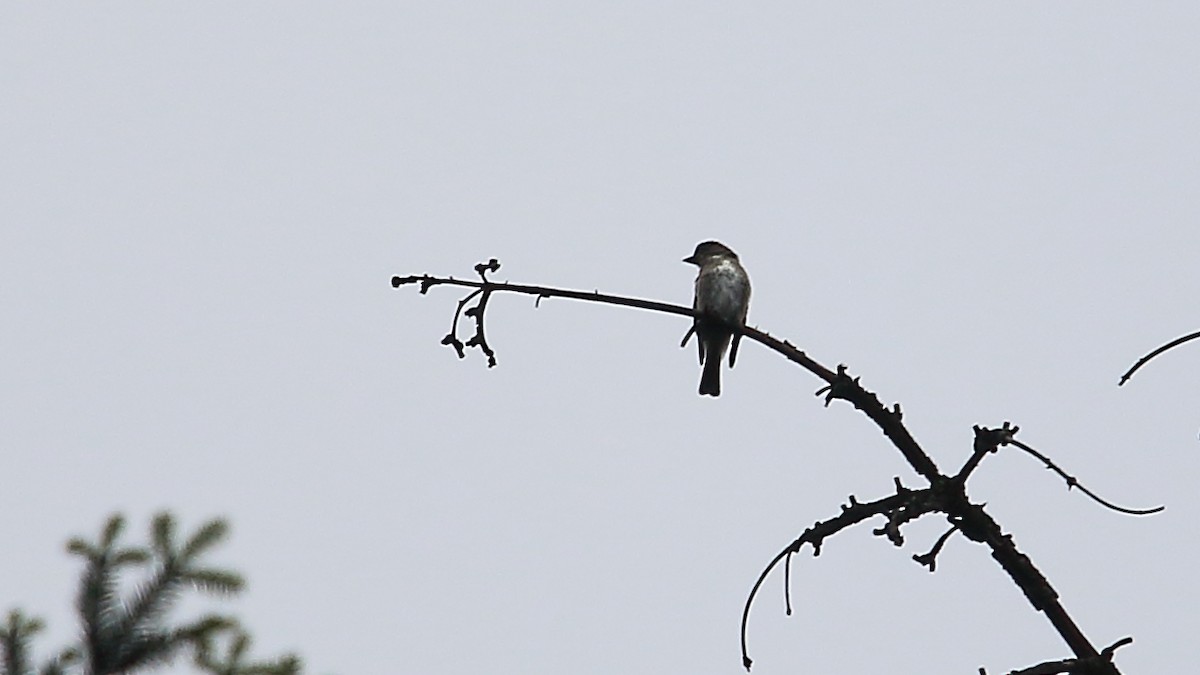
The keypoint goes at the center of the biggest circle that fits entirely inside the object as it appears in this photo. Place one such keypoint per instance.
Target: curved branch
(1146, 359)
(452, 337)
(842, 386)
(1073, 483)
(852, 514)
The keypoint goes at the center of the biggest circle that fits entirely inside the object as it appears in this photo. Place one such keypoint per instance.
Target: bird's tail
(710, 379)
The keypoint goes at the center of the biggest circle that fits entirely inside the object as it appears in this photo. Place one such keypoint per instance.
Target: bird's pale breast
(723, 291)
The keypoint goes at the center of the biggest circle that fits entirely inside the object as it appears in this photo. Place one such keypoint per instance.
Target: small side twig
(452, 337)
(479, 339)
(986, 442)
(1108, 652)
(1146, 359)
(483, 291)
(930, 559)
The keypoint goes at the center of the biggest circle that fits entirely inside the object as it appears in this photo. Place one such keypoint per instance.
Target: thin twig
(852, 514)
(787, 584)
(428, 282)
(1146, 359)
(1107, 652)
(1072, 482)
(930, 559)
(452, 337)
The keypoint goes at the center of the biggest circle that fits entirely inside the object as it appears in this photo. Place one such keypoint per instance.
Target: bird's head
(708, 250)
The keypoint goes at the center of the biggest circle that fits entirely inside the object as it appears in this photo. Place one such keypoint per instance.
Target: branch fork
(945, 494)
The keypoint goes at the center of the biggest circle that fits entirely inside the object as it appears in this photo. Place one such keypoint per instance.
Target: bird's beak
(691, 259)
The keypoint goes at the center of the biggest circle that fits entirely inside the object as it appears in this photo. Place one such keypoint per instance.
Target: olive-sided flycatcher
(722, 300)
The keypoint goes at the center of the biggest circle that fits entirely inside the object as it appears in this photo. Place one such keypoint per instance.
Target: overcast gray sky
(987, 211)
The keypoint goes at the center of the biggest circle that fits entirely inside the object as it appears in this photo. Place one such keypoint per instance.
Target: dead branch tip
(1146, 359)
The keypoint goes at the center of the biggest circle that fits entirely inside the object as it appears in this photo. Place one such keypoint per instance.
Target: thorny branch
(946, 494)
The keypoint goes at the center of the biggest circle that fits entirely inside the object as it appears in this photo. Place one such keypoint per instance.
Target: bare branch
(946, 494)
(1072, 482)
(930, 559)
(1146, 359)
(426, 282)
(846, 388)
(852, 514)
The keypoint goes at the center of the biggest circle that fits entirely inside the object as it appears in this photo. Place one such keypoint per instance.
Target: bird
(721, 301)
